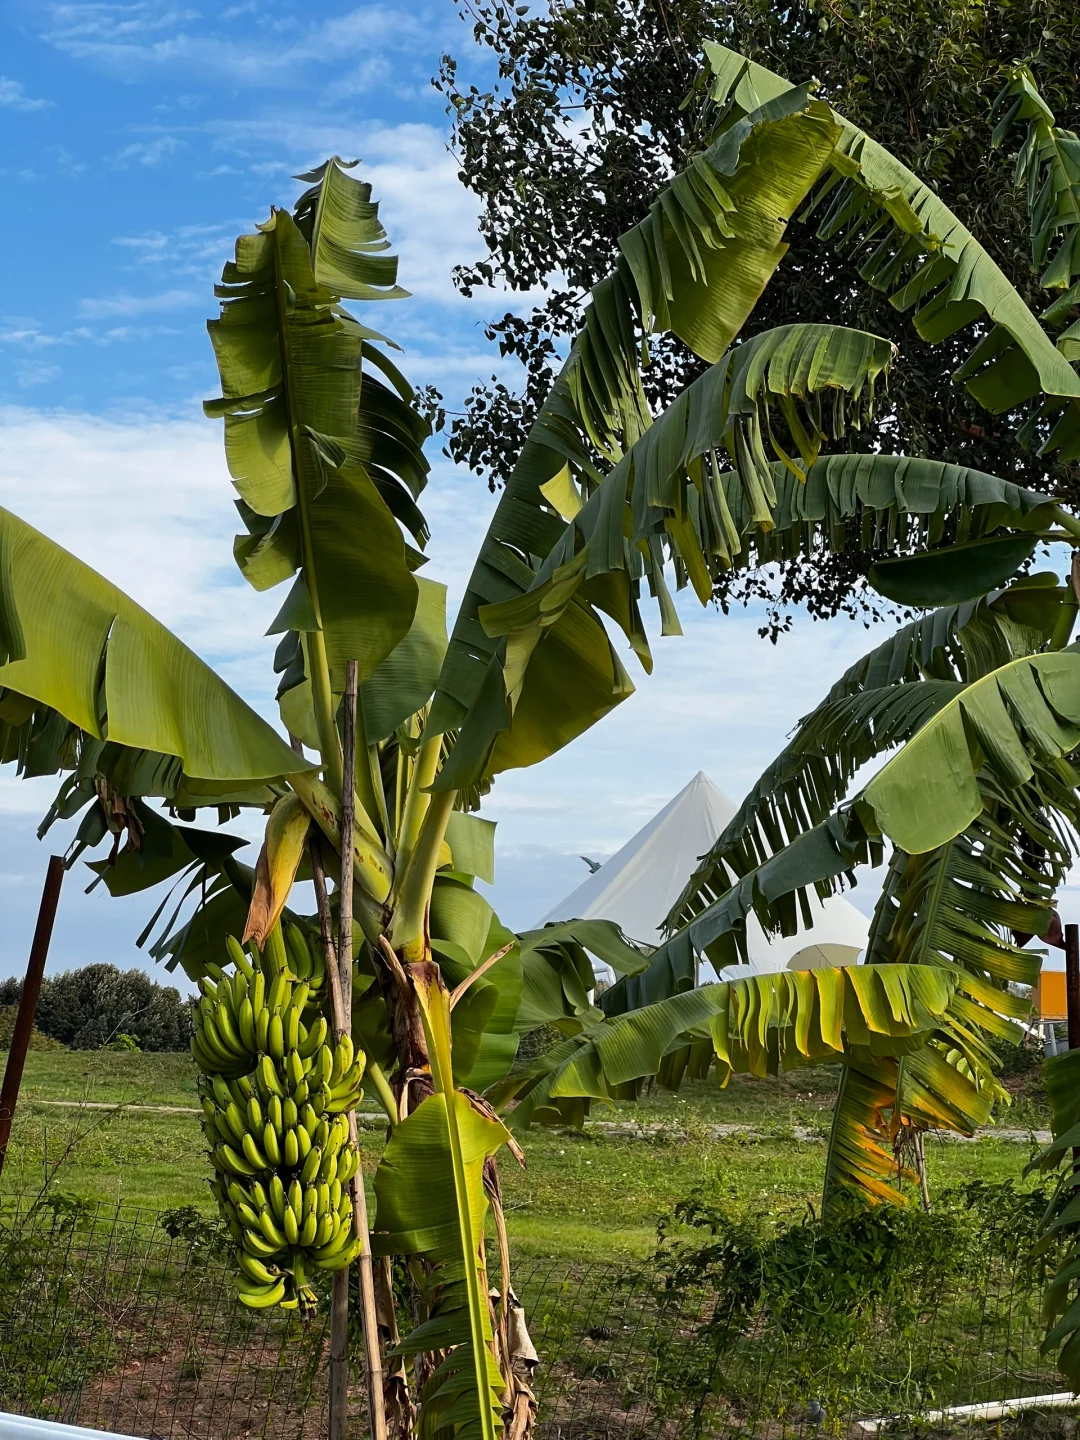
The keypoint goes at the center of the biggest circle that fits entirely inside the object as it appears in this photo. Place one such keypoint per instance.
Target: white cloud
(147, 152)
(262, 50)
(191, 251)
(149, 504)
(106, 306)
(36, 374)
(14, 97)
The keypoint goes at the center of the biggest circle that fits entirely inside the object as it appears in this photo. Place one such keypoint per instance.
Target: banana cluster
(275, 1092)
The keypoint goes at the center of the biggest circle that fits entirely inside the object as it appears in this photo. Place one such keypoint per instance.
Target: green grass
(109, 1075)
(592, 1195)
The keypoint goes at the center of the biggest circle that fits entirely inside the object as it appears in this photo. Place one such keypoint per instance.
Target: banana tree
(396, 732)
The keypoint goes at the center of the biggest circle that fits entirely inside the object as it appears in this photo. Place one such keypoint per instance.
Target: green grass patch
(595, 1195)
(112, 1076)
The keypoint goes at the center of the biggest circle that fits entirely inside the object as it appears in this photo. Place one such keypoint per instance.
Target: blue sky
(136, 141)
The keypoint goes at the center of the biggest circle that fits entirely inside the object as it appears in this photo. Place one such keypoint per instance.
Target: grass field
(591, 1194)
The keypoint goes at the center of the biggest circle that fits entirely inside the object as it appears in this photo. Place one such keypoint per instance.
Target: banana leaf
(74, 642)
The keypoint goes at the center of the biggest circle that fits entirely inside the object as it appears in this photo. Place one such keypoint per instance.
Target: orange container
(1049, 996)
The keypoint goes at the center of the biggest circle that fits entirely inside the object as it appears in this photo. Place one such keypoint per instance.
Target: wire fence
(125, 1320)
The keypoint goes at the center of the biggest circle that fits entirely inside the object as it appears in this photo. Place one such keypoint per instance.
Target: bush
(38, 1041)
(96, 1006)
(840, 1312)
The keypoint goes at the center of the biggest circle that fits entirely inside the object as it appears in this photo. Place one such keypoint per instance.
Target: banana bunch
(275, 1093)
(252, 1012)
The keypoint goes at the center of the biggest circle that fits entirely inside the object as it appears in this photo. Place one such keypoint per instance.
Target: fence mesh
(124, 1320)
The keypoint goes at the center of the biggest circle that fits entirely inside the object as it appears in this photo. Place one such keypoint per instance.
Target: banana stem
(409, 930)
(367, 789)
(417, 801)
(1063, 625)
(383, 1091)
(1067, 521)
(322, 701)
(373, 867)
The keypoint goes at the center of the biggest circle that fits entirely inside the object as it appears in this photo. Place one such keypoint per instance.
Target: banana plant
(396, 732)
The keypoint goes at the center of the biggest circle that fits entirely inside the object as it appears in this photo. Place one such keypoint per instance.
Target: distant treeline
(99, 1004)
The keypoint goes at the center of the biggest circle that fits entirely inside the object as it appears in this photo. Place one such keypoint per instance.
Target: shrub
(38, 1041)
(97, 1005)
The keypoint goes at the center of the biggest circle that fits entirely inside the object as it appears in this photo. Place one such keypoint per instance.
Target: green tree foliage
(598, 103)
(88, 1008)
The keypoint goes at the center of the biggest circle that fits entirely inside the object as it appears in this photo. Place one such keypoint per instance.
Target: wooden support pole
(28, 1000)
(339, 970)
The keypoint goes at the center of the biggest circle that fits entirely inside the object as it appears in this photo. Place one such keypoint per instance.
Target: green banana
(314, 1039)
(291, 1226)
(278, 1198)
(239, 957)
(270, 1144)
(299, 954)
(343, 1057)
(257, 1271)
(256, 1243)
(279, 987)
(248, 1215)
(238, 1164)
(274, 950)
(271, 1230)
(252, 1154)
(262, 1297)
(341, 1259)
(310, 1169)
(245, 1020)
(235, 1118)
(290, 1149)
(268, 1075)
(291, 1024)
(254, 1113)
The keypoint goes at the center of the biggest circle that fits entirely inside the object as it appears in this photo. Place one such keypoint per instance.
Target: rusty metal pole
(28, 1000)
(1072, 984)
(1072, 998)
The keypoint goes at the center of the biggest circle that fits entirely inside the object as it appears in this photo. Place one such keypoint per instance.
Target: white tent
(638, 886)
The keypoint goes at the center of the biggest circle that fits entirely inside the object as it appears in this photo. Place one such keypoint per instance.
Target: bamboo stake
(339, 974)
